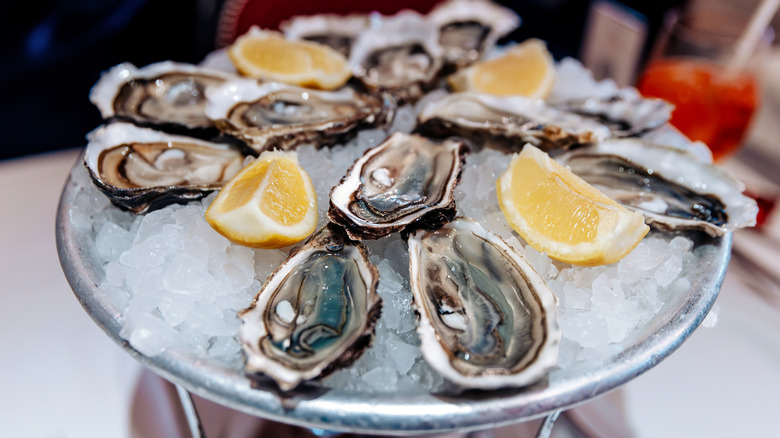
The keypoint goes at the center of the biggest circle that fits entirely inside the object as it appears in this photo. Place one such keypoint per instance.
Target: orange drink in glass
(711, 105)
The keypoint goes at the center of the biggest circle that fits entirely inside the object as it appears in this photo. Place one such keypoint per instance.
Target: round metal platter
(399, 413)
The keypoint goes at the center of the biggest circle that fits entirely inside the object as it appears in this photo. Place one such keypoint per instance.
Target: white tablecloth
(63, 377)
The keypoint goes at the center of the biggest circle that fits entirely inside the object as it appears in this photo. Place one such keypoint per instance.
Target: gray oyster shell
(336, 31)
(486, 318)
(141, 169)
(626, 114)
(165, 95)
(278, 116)
(507, 122)
(406, 181)
(468, 28)
(672, 188)
(400, 56)
(314, 314)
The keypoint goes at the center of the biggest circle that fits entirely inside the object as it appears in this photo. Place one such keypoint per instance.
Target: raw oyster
(401, 56)
(626, 114)
(165, 95)
(672, 188)
(486, 318)
(408, 180)
(467, 28)
(337, 31)
(140, 169)
(507, 122)
(273, 115)
(314, 314)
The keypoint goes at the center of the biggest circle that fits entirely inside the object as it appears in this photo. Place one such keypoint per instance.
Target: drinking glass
(688, 68)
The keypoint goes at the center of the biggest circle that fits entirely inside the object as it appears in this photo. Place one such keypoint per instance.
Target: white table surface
(63, 377)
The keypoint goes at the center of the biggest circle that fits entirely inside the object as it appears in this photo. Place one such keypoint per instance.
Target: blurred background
(53, 51)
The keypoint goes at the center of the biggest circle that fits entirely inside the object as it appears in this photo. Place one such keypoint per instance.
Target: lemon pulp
(270, 203)
(525, 70)
(557, 212)
(268, 56)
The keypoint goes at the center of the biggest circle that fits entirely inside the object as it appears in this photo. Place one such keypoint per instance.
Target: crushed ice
(176, 282)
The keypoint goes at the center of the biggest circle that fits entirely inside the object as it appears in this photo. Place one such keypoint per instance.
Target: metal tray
(398, 413)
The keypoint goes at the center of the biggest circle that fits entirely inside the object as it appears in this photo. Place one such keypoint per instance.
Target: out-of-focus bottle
(619, 36)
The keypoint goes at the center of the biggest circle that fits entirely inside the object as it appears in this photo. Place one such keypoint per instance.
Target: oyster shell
(166, 95)
(140, 169)
(507, 122)
(486, 318)
(672, 188)
(273, 115)
(467, 28)
(400, 56)
(337, 31)
(626, 114)
(407, 180)
(314, 314)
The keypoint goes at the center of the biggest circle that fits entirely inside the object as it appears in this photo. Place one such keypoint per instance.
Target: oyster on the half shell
(406, 181)
(467, 28)
(626, 114)
(273, 115)
(507, 122)
(337, 31)
(672, 188)
(140, 169)
(314, 314)
(166, 95)
(486, 318)
(400, 56)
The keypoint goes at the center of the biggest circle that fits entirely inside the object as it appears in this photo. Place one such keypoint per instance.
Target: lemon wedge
(526, 69)
(270, 203)
(557, 212)
(268, 56)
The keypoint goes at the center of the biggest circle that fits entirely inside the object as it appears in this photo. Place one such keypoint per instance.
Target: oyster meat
(672, 188)
(507, 122)
(273, 115)
(140, 169)
(400, 56)
(337, 31)
(486, 318)
(166, 95)
(626, 114)
(314, 314)
(467, 28)
(406, 181)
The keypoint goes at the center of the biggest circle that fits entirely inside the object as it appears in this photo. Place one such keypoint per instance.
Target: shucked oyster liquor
(273, 115)
(166, 95)
(486, 318)
(141, 169)
(314, 314)
(408, 180)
